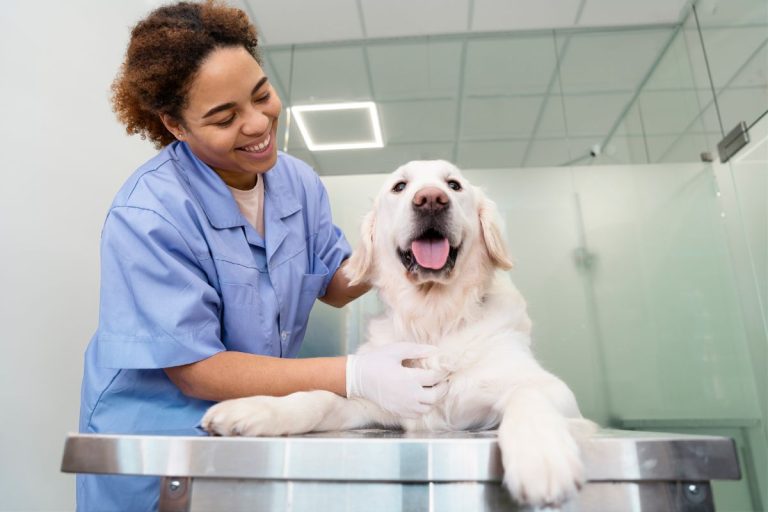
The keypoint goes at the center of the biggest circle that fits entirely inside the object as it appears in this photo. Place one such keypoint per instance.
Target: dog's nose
(430, 199)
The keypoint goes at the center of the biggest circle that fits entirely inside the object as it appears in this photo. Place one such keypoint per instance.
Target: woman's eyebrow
(227, 106)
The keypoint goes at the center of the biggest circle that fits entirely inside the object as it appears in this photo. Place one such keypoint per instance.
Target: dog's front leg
(541, 458)
(297, 413)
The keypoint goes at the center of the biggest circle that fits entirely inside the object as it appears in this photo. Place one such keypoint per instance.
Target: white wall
(63, 157)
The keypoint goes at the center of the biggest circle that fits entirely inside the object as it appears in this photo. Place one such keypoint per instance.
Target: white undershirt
(251, 204)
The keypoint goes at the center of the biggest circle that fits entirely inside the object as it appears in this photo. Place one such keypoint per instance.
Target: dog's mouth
(430, 251)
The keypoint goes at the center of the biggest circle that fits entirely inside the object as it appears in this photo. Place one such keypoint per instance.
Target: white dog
(433, 249)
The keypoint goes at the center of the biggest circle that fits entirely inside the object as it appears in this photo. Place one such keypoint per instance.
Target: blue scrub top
(185, 276)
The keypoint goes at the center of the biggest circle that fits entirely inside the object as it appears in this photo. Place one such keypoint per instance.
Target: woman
(213, 252)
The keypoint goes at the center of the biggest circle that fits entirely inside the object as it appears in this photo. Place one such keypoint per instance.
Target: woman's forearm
(231, 374)
(340, 292)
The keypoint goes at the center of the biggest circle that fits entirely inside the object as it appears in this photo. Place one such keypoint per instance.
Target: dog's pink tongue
(431, 253)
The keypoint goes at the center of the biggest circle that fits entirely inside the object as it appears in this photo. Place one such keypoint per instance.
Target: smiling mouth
(429, 252)
(258, 148)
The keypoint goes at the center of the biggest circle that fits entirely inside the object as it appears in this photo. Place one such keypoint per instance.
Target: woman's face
(230, 121)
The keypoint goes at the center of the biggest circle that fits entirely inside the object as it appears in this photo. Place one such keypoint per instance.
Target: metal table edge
(609, 456)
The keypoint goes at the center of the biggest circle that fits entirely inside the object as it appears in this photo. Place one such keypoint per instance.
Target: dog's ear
(489, 226)
(359, 266)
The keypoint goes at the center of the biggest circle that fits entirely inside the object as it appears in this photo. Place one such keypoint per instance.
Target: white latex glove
(379, 376)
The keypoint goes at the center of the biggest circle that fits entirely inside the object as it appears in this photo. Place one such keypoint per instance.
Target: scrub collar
(216, 199)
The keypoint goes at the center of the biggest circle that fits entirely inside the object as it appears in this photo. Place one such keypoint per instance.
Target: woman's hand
(379, 376)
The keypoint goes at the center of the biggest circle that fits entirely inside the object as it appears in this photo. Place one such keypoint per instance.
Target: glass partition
(635, 303)
(644, 261)
(743, 183)
(734, 36)
(672, 116)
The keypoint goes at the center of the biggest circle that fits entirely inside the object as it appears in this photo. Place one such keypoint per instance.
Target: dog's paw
(256, 416)
(542, 463)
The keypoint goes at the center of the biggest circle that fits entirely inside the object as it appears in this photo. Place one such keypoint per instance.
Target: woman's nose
(256, 122)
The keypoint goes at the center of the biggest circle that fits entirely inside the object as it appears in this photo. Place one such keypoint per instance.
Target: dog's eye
(399, 186)
(454, 185)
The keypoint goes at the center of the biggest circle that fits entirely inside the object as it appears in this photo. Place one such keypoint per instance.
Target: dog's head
(428, 223)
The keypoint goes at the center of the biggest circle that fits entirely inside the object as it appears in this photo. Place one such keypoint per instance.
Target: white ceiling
(289, 22)
(500, 83)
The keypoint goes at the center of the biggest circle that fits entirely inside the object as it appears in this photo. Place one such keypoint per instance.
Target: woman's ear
(174, 126)
(360, 265)
(491, 232)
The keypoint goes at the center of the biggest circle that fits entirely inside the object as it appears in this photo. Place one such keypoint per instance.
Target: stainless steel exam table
(377, 470)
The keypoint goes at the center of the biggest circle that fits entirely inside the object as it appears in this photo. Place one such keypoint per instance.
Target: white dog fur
(474, 315)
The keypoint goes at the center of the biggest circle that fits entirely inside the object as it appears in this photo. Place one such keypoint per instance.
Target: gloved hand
(379, 376)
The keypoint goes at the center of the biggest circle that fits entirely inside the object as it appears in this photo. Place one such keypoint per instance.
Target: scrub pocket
(238, 295)
(242, 320)
(311, 286)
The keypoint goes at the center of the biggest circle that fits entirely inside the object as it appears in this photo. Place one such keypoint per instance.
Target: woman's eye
(454, 185)
(399, 186)
(263, 99)
(226, 122)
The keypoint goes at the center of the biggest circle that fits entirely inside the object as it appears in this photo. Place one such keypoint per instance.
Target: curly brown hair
(165, 51)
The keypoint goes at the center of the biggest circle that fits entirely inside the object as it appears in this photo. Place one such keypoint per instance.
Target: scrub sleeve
(158, 310)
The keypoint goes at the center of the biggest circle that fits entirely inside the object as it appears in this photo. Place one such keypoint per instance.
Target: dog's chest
(473, 390)
(479, 361)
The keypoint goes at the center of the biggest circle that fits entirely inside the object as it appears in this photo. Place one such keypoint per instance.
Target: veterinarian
(213, 252)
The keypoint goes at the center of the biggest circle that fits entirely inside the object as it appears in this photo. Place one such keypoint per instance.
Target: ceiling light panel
(329, 127)
(339, 126)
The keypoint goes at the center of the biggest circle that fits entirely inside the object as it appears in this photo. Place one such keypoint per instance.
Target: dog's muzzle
(430, 252)
(430, 249)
